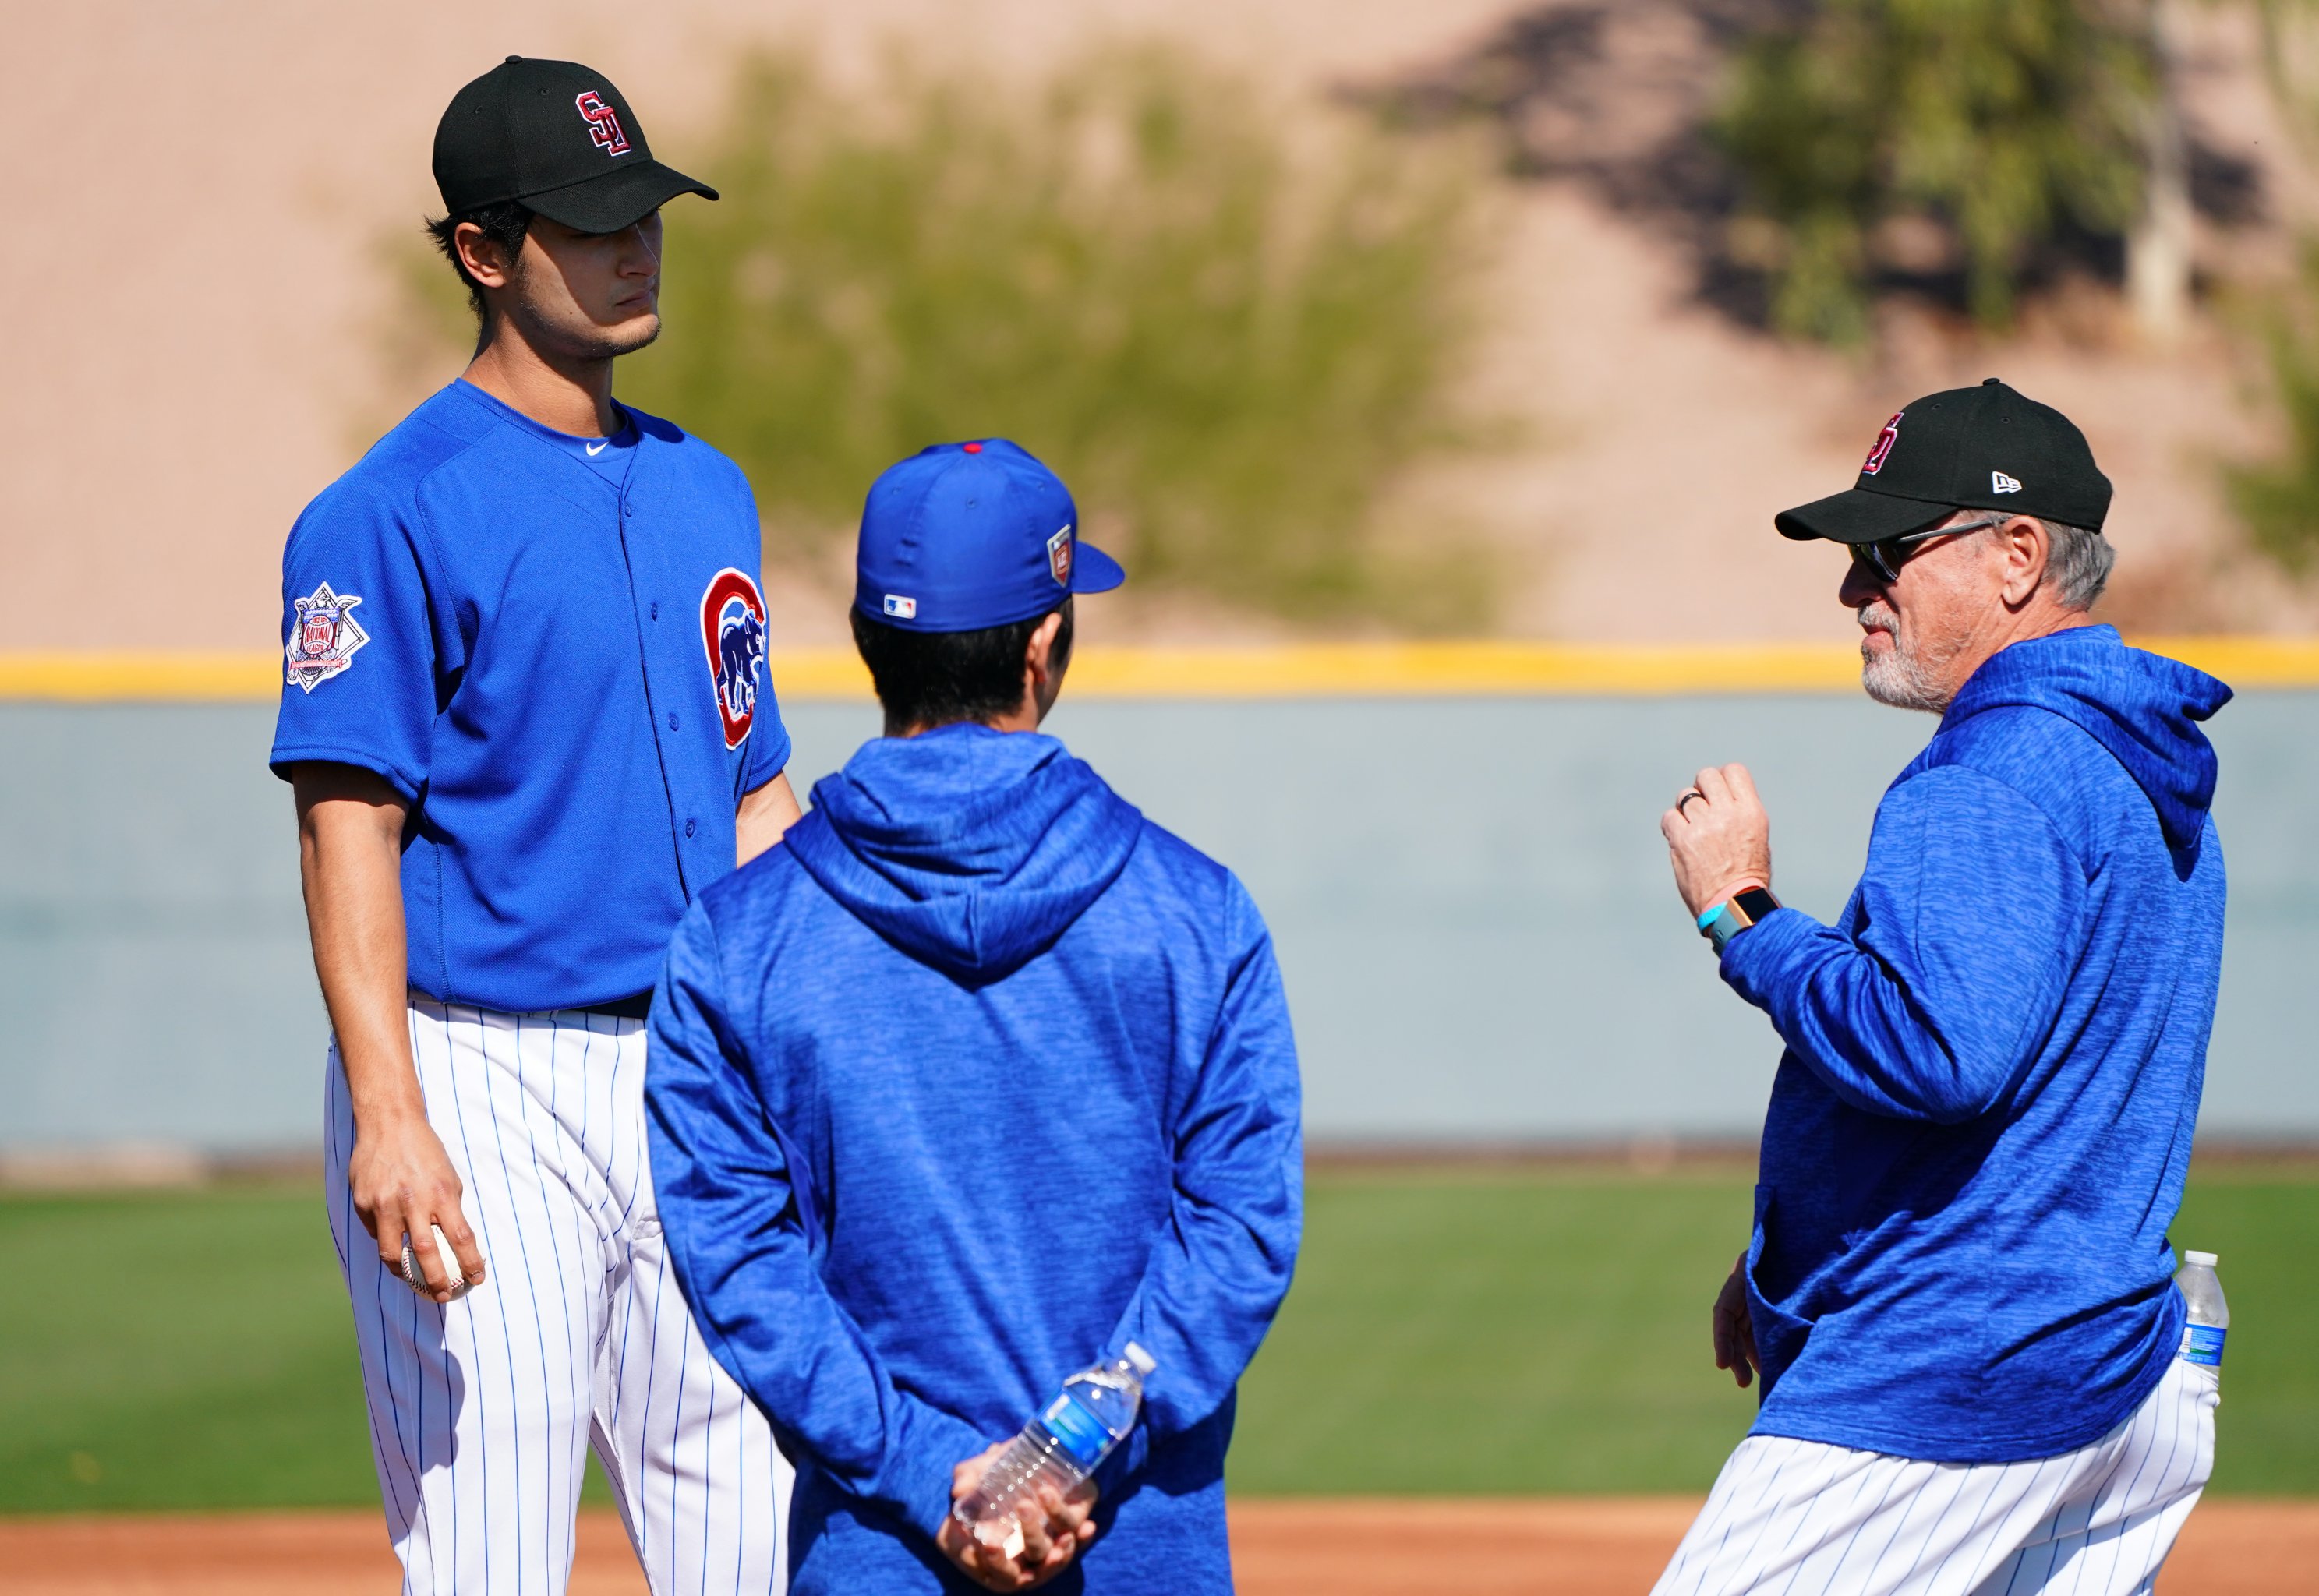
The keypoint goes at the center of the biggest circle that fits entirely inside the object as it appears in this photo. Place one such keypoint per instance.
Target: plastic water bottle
(1072, 1434)
(2210, 1315)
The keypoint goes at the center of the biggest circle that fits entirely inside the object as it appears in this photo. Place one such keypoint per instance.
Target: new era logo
(1998, 482)
(901, 606)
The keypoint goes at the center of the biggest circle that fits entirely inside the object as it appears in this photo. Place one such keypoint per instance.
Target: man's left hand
(1717, 837)
(1734, 1327)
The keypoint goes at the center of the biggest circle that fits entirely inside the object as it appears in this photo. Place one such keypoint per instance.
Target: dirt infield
(1572, 1547)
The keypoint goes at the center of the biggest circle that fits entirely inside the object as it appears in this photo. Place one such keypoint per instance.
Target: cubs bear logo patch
(323, 637)
(1884, 442)
(732, 631)
(1058, 557)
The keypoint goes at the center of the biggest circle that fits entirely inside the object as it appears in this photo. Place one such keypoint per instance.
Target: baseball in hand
(415, 1277)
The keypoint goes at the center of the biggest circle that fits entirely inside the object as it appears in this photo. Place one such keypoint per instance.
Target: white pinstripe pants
(1792, 1517)
(480, 1411)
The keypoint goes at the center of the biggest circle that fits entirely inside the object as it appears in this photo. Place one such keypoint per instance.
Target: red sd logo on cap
(603, 122)
(1884, 442)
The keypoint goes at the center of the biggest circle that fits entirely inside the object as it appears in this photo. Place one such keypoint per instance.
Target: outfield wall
(1467, 890)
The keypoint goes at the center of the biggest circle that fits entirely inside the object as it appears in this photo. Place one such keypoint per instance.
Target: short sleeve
(358, 656)
(768, 740)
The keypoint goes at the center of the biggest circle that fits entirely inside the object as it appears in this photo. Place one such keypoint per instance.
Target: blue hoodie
(1979, 1129)
(979, 1076)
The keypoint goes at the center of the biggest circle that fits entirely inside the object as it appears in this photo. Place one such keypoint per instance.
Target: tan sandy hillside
(198, 194)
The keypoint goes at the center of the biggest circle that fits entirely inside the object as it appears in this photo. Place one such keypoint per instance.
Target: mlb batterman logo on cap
(560, 139)
(965, 536)
(1969, 449)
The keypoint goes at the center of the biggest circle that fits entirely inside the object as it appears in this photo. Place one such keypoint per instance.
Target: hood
(969, 850)
(2144, 708)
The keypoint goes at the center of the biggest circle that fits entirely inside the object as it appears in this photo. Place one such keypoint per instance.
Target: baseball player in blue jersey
(526, 720)
(1959, 1291)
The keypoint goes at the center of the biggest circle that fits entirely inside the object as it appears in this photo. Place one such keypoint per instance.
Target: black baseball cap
(558, 137)
(1968, 448)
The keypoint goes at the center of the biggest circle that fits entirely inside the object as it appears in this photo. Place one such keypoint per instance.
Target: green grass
(1505, 1333)
(176, 1350)
(2266, 1230)
(1497, 1333)
(1449, 1332)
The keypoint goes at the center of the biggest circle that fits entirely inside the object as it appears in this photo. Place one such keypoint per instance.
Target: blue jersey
(552, 648)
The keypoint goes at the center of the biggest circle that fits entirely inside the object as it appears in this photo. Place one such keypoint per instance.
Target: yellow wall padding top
(1293, 671)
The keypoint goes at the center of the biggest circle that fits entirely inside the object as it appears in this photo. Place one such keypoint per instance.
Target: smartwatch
(1735, 914)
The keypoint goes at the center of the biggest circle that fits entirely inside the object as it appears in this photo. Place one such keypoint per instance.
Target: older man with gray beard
(1959, 1291)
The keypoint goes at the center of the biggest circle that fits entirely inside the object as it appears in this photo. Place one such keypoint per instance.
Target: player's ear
(485, 260)
(2027, 546)
(1045, 657)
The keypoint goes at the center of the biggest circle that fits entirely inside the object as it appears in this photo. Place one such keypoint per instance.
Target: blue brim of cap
(1095, 571)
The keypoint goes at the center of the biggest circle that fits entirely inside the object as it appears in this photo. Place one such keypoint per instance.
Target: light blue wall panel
(1482, 943)
(154, 978)
(1470, 899)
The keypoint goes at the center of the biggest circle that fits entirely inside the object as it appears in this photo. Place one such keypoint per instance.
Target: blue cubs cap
(965, 536)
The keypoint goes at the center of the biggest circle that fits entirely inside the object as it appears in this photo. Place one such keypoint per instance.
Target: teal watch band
(1734, 915)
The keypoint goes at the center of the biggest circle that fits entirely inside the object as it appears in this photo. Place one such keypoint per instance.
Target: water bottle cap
(1143, 1361)
(2207, 1258)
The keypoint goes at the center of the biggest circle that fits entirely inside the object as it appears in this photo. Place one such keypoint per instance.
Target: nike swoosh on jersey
(595, 449)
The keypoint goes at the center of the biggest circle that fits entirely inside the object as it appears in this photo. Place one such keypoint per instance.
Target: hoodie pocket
(1779, 1335)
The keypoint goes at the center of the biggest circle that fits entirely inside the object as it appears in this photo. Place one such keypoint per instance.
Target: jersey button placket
(689, 827)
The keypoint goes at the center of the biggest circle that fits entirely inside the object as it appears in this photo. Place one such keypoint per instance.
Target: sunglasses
(1888, 554)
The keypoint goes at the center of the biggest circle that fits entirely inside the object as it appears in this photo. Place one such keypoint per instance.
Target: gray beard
(1896, 677)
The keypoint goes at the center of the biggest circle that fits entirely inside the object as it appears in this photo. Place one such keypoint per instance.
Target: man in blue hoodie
(1959, 1291)
(980, 1077)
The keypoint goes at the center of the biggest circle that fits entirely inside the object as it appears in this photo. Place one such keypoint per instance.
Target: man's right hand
(1734, 1328)
(1051, 1537)
(350, 825)
(402, 1185)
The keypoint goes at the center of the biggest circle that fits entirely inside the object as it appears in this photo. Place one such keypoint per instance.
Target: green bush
(1230, 330)
(2278, 500)
(1999, 120)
